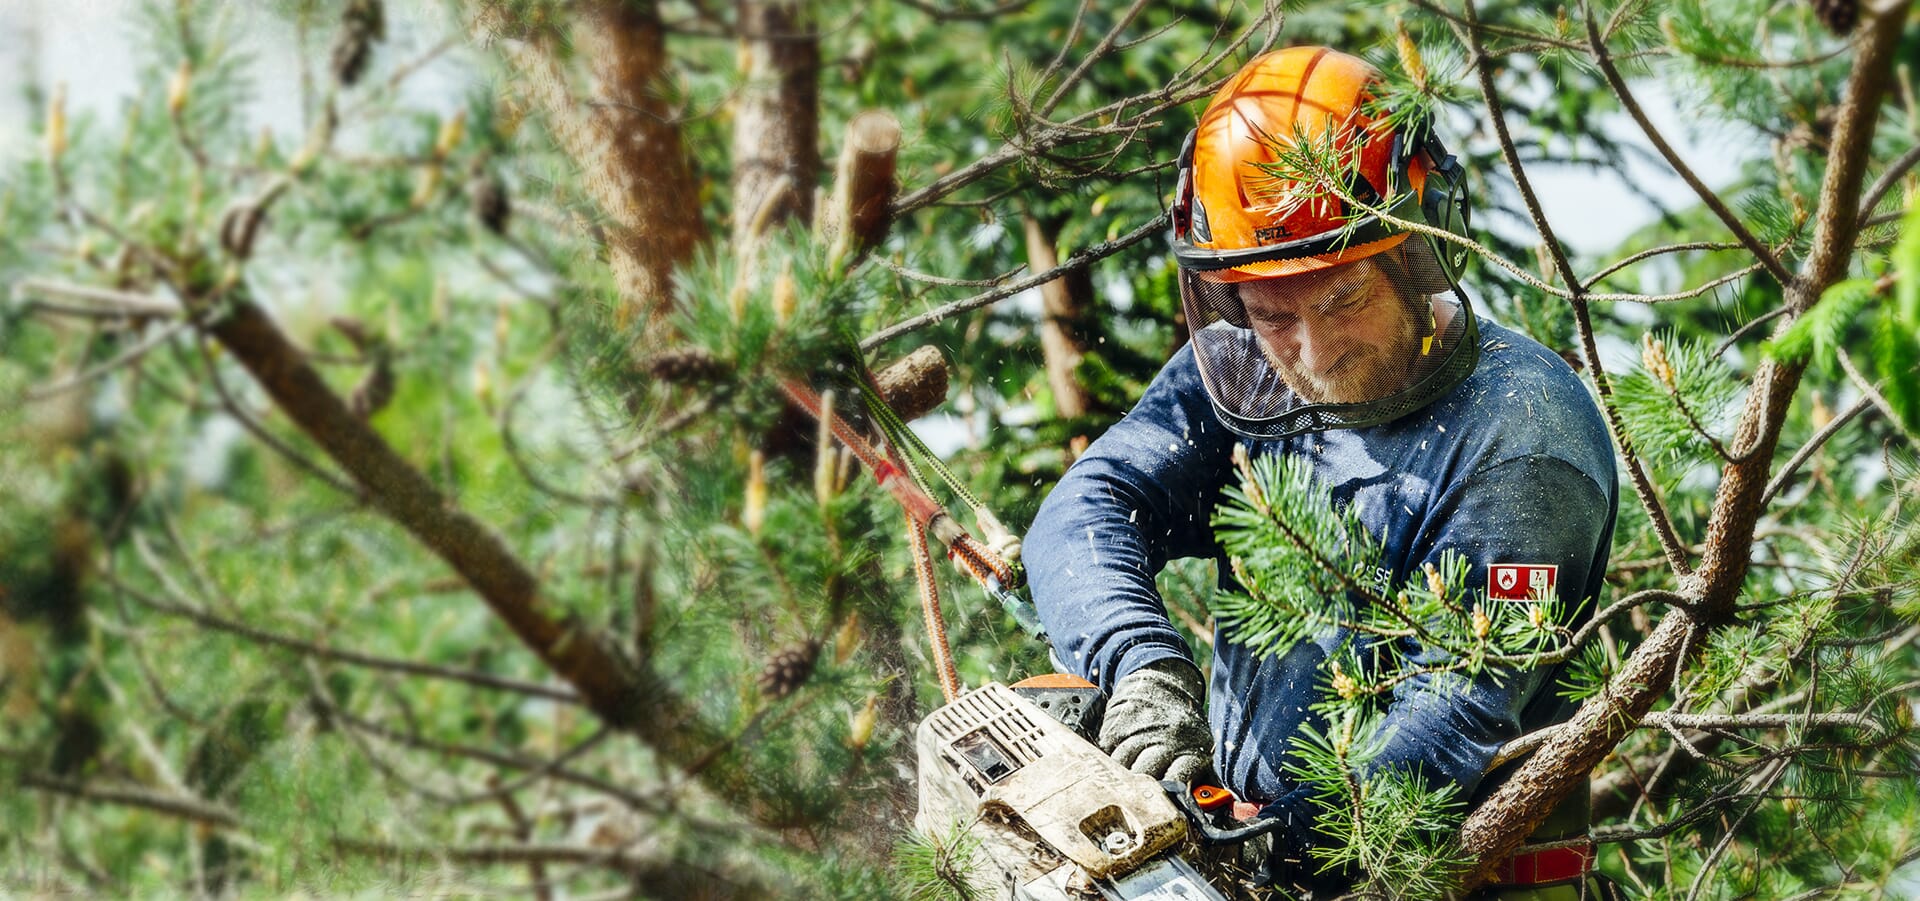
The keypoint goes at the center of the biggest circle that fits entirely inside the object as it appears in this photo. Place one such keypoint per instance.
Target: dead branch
(863, 187)
(132, 795)
(1077, 261)
(99, 302)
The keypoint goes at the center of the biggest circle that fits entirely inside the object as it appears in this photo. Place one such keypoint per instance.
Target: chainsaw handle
(1203, 821)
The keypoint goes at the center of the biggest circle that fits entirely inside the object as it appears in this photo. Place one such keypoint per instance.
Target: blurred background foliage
(225, 673)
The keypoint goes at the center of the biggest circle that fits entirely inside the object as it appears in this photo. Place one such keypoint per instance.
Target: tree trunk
(1064, 302)
(776, 125)
(623, 135)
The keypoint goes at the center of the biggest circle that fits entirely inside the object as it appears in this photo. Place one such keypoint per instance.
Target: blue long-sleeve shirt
(1514, 466)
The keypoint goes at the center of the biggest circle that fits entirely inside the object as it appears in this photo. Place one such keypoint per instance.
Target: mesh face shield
(1347, 346)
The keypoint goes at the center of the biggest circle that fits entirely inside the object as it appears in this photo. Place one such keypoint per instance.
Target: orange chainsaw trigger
(1210, 797)
(1053, 680)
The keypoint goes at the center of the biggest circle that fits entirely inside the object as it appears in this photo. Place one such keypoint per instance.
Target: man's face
(1341, 335)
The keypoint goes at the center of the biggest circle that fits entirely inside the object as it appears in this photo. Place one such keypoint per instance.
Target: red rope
(930, 606)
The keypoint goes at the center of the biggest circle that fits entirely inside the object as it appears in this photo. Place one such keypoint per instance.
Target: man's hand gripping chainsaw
(1056, 819)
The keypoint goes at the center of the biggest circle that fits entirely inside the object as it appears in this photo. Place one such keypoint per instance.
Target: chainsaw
(1055, 818)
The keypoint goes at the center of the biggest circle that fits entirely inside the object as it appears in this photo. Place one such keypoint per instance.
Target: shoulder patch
(1522, 581)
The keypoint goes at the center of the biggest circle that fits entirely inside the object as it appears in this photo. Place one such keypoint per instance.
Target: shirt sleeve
(1529, 510)
(1139, 496)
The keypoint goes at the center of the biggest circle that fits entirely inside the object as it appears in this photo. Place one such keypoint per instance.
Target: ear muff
(1447, 203)
(1182, 212)
(1445, 200)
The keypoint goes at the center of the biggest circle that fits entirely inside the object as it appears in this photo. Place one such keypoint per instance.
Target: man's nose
(1314, 350)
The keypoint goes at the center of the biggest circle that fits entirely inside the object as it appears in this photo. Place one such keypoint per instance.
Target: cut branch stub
(914, 384)
(863, 185)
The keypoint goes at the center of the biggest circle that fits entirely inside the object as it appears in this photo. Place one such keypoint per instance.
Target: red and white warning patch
(1522, 581)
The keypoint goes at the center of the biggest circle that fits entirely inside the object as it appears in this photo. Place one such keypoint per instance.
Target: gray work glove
(1155, 723)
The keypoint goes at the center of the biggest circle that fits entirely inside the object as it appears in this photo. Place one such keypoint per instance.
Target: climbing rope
(993, 563)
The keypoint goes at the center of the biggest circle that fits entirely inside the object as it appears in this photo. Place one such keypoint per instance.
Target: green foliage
(938, 866)
(1677, 402)
(1380, 822)
(1309, 567)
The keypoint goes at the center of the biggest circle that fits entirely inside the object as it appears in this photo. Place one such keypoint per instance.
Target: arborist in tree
(1335, 336)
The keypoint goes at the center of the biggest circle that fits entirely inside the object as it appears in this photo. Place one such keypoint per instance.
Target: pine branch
(131, 795)
(629, 696)
(654, 876)
(1670, 721)
(120, 360)
(1521, 804)
(201, 617)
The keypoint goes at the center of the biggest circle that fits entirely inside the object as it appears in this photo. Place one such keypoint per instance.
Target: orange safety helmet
(1235, 220)
(1275, 275)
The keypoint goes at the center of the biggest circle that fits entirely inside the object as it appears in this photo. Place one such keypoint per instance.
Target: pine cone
(788, 669)
(351, 50)
(363, 23)
(490, 203)
(686, 364)
(1838, 15)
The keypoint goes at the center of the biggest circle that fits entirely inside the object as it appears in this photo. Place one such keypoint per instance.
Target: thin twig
(1099, 52)
(131, 795)
(1888, 179)
(1807, 450)
(219, 623)
(1077, 261)
(1595, 278)
(1707, 195)
(1870, 391)
(124, 358)
(1748, 328)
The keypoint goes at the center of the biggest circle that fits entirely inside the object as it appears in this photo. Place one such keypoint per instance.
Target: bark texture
(776, 125)
(863, 185)
(622, 134)
(1064, 303)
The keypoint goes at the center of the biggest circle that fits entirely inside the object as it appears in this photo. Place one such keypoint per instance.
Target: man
(1337, 337)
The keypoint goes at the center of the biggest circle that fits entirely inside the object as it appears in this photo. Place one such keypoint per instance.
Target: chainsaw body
(1056, 819)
